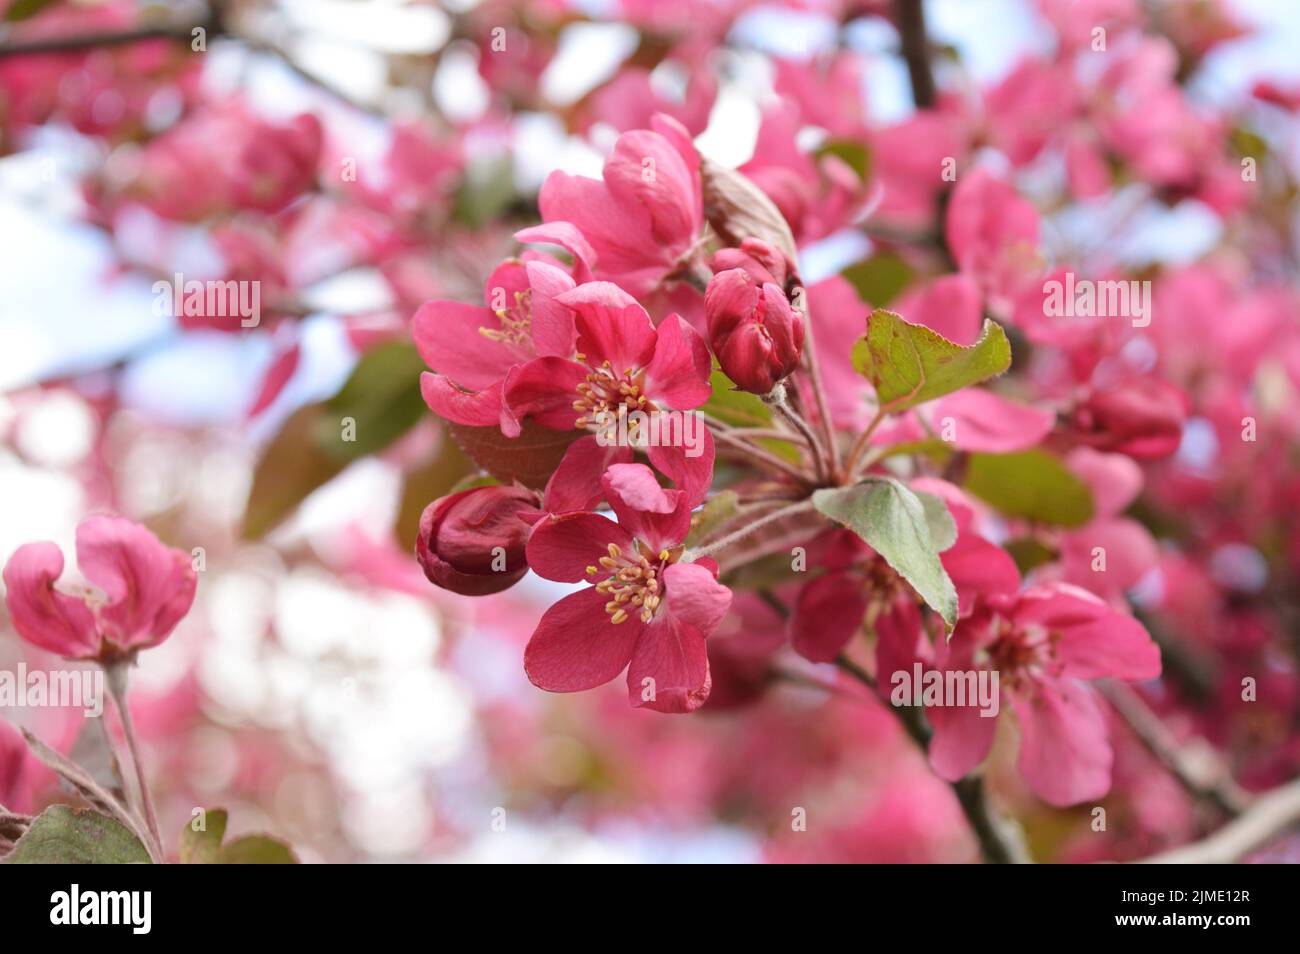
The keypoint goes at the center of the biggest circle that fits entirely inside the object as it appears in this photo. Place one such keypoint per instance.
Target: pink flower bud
(763, 262)
(1142, 418)
(756, 335)
(472, 542)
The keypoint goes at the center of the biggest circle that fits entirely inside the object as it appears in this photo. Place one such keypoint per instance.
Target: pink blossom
(648, 612)
(141, 590)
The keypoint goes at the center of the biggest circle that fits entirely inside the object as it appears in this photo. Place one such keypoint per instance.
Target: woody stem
(802, 506)
(779, 400)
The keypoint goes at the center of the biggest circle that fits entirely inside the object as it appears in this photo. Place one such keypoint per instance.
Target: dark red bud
(472, 542)
(755, 333)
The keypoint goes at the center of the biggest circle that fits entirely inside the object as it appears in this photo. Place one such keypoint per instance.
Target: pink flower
(648, 612)
(647, 212)
(142, 590)
(623, 361)
(1044, 644)
(472, 542)
(471, 348)
(756, 334)
(993, 234)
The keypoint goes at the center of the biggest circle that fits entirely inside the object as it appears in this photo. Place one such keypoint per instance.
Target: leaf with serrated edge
(909, 364)
(894, 522)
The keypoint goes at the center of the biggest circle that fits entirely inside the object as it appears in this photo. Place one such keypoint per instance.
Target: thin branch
(803, 506)
(1268, 816)
(1203, 782)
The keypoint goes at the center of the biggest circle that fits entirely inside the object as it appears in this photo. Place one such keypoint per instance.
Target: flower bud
(472, 542)
(1142, 418)
(756, 335)
(763, 262)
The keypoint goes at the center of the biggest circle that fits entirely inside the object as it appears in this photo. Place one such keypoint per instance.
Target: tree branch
(1269, 815)
(916, 50)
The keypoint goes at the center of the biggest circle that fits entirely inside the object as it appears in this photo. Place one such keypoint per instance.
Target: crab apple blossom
(644, 218)
(472, 542)
(139, 590)
(648, 611)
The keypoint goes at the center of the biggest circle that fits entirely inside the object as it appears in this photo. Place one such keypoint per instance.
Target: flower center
(1022, 654)
(633, 584)
(516, 322)
(605, 391)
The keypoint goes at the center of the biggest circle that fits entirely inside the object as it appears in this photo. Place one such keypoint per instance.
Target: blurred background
(321, 689)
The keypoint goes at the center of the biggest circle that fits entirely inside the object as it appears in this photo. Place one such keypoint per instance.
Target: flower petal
(678, 374)
(562, 547)
(42, 615)
(150, 587)
(694, 596)
(545, 390)
(827, 613)
(576, 647)
(612, 326)
(576, 483)
(670, 667)
(1065, 755)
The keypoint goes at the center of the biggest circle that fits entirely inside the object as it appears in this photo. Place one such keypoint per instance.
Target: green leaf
(742, 409)
(63, 835)
(291, 467)
(852, 152)
(23, 9)
(257, 850)
(909, 364)
(938, 518)
(203, 847)
(1029, 553)
(381, 395)
(879, 279)
(895, 522)
(1031, 484)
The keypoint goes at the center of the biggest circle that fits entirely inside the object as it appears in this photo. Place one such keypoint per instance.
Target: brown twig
(1268, 816)
(916, 50)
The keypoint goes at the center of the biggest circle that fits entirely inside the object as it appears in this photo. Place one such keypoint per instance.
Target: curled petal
(42, 615)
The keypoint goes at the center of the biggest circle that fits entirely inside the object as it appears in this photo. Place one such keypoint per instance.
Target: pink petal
(42, 615)
(900, 643)
(570, 238)
(277, 376)
(561, 547)
(447, 336)
(1095, 640)
(150, 587)
(678, 375)
(981, 421)
(576, 483)
(671, 665)
(576, 647)
(692, 475)
(978, 569)
(657, 517)
(1065, 754)
(962, 738)
(544, 389)
(827, 614)
(695, 597)
(474, 408)
(1115, 479)
(950, 305)
(612, 326)
(552, 323)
